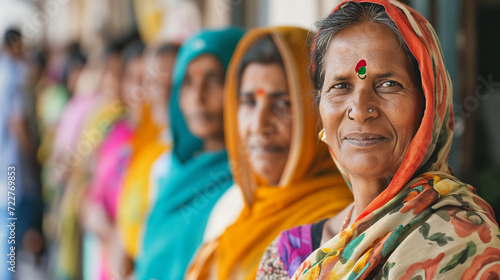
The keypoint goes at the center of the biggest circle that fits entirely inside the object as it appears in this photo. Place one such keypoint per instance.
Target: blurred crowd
(79, 132)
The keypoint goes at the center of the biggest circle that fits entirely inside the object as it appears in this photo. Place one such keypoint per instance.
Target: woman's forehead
(204, 63)
(351, 46)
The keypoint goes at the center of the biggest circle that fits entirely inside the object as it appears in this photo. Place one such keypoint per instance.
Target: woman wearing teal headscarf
(199, 172)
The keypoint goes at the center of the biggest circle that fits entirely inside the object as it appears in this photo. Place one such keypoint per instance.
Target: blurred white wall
(181, 19)
(299, 12)
(18, 13)
(58, 23)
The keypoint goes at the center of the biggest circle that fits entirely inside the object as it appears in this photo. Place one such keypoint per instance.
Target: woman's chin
(202, 132)
(267, 171)
(367, 166)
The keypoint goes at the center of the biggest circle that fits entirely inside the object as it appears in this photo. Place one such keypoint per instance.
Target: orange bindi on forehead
(260, 92)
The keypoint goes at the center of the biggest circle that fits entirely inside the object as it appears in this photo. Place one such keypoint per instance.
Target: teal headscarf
(221, 44)
(176, 225)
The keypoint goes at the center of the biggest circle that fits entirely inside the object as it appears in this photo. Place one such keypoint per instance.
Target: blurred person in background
(99, 209)
(110, 154)
(96, 107)
(67, 152)
(18, 147)
(198, 168)
(159, 84)
(132, 198)
(53, 91)
(114, 156)
(63, 152)
(152, 138)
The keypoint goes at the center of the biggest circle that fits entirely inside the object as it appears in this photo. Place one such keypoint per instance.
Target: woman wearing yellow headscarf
(277, 160)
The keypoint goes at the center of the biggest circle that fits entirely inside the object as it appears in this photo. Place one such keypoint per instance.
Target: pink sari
(113, 159)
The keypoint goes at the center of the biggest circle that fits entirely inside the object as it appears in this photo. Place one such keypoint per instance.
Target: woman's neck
(215, 143)
(134, 117)
(159, 114)
(365, 190)
(335, 224)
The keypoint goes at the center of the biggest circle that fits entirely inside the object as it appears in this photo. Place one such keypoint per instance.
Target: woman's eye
(390, 84)
(246, 101)
(389, 87)
(215, 81)
(282, 107)
(340, 86)
(283, 104)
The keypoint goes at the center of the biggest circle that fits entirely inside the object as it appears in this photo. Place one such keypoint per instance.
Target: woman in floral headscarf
(385, 99)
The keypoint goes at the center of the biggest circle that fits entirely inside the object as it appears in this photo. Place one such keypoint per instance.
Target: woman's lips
(200, 117)
(260, 149)
(364, 139)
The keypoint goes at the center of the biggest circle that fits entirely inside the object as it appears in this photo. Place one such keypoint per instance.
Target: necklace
(347, 220)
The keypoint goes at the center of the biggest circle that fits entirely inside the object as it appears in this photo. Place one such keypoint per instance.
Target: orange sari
(133, 203)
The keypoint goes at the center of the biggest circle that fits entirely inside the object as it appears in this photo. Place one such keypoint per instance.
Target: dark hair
(74, 60)
(114, 47)
(168, 48)
(12, 37)
(133, 50)
(264, 51)
(349, 14)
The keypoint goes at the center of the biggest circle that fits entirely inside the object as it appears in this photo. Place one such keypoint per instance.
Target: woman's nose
(198, 93)
(363, 107)
(260, 117)
(262, 123)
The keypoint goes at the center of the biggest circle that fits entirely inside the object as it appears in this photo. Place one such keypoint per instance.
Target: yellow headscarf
(310, 177)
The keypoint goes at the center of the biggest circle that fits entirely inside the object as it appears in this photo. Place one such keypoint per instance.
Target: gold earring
(322, 135)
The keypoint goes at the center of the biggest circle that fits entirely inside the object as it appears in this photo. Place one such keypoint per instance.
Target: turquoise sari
(195, 181)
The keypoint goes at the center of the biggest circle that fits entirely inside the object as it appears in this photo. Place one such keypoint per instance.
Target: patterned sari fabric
(309, 178)
(291, 248)
(426, 224)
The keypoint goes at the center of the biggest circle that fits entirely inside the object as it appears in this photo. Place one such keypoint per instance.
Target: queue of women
(278, 153)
